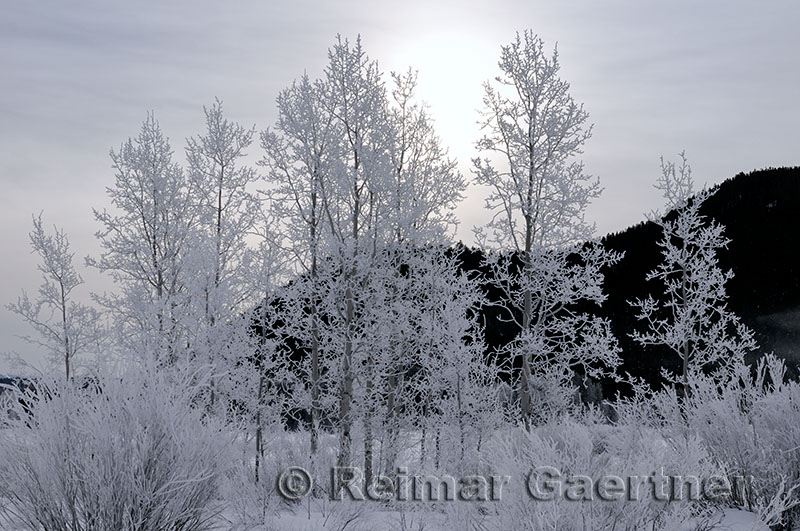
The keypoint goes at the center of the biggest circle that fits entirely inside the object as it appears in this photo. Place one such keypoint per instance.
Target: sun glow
(452, 67)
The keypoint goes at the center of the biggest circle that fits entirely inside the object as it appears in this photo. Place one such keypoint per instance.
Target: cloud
(717, 78)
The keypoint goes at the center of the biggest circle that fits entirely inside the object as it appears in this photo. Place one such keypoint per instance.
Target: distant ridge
(761, 214)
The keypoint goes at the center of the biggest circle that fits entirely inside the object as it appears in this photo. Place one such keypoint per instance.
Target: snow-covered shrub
(252, 503)
(568, 500)
(747, 423)
(119, 453)
(750, 424)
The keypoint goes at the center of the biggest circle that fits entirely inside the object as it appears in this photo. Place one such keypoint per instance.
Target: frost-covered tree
(254, 378)
(299, 153)
(227, 209)
(327, 157)
(368, 193)
(353, 197)
(144, 241)
(422, 192)
(443, 386)
(533, 132)
(425, 186)
(691, 317)
(219, 258)
(64, 328)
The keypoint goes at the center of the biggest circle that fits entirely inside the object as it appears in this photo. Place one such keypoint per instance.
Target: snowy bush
(751, 425)
(127, 453)
(747, 423)
(597, 452)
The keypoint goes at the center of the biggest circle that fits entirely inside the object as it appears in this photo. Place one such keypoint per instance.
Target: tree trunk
(391, 428)
(346, 388)
(66, 332)
(461, 427)
(368, 457)
(438, 449)
(525, 375)
(423, 438)
(686, 343)
(314, 387)
(368, 415)
(315, 376)
(259, 448)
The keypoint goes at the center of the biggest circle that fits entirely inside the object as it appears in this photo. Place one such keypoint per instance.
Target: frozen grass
(749, 425)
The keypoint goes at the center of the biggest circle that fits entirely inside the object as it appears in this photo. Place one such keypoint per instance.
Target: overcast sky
(717, 78)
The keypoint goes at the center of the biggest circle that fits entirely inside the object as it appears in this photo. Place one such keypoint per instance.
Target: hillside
(760, 211)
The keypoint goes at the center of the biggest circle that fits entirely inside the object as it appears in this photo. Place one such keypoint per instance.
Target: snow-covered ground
(301, 520)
